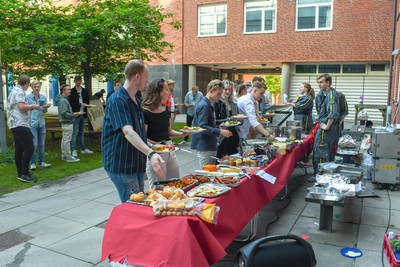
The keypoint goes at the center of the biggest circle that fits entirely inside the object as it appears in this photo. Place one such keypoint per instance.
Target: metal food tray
(355, 174)
(138, 203)
(322, 193)
(191, 193)
(162, 184)
(232, 185)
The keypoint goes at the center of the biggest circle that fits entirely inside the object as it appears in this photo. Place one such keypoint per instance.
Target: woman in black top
(224, 109)
(157, 123)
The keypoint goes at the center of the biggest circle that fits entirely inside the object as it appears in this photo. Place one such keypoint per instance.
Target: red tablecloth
(133, 231)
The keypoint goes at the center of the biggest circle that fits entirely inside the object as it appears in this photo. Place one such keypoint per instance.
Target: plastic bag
(187, 207)
(366, 142)
(328, 166)
(174, 207)
(363, 114)
(207, 212)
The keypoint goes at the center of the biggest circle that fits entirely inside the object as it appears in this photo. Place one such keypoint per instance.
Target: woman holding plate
(157, 124)
(225, 108)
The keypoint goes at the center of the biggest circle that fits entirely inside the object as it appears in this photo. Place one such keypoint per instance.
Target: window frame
(317, 9)
(215, 24)
(263, 10)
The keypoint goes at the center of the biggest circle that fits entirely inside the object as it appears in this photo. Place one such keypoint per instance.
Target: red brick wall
(172, 35)
(361, 32)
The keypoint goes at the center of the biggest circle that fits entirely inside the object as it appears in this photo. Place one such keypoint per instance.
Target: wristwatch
(151, 154)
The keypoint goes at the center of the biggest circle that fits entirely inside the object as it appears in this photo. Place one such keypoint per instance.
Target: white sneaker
(86, 151)
(74, 153)
(71, 159)
(33, 166)
(181, 143)
(44, 165)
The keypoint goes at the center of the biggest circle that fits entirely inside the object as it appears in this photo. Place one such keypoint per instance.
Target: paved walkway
(62, 223)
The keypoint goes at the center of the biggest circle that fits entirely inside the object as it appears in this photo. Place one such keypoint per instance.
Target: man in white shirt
(247, 105)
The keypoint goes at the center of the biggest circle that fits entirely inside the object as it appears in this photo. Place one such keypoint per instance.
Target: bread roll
(166, 194)
(137, 197)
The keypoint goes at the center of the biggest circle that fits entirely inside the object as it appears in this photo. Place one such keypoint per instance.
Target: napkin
(266, 176)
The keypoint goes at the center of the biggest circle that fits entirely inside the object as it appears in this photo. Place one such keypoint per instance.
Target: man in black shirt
(79, 101)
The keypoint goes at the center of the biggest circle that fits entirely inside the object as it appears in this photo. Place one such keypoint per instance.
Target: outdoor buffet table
(135, 234)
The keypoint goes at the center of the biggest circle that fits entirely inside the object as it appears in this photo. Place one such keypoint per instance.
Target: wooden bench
(53, 125)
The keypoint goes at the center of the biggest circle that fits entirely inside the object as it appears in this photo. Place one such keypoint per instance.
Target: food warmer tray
(197, 190)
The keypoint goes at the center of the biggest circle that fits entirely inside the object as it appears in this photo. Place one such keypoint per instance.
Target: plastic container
(393, 261)
(210, 167)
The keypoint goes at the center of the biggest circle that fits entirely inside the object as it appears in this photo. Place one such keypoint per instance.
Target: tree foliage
(92, 38)
(274, 83)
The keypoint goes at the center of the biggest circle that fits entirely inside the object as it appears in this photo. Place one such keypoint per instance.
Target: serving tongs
(166, 181)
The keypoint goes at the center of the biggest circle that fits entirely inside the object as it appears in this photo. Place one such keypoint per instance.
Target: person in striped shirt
(124, 139)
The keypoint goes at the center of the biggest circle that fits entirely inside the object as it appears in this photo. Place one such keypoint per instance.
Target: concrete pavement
(62, 223)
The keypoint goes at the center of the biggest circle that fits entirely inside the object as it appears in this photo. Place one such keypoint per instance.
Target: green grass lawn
(59, 169)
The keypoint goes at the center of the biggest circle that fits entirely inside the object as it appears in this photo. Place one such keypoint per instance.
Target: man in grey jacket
(66, 118)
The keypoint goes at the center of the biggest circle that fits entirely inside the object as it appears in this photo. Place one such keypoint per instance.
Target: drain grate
(12, 238)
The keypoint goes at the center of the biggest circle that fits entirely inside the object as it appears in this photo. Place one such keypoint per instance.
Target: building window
(212, 20)
(260, 16)
(314, 15)
(329, 68)
(306, 68)
(377, 67)
(354, 68)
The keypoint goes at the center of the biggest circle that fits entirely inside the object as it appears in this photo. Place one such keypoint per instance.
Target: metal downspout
(393, 47)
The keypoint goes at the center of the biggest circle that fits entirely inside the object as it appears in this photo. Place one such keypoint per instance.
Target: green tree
(274, 83)
(94, 38)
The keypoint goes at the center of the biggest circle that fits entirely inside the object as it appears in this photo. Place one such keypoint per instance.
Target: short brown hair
(62, 88)
(134, 67)
(257, 79)
(23, 79)
(327, 77)
(214, 84)
(260, 85)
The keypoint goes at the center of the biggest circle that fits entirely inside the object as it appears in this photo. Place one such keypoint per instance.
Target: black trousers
(24, 148)
(189, 120)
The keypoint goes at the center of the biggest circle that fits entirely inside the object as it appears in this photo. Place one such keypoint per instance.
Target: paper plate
(351, 252)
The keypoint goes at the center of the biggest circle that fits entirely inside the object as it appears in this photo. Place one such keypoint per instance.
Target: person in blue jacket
(303, 107)
(206, 142)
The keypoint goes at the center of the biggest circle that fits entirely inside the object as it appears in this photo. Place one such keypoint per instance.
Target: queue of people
(134, 124)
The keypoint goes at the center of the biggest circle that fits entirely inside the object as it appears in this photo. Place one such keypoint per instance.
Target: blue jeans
(79, 128)
(39, 138)
(127, 184)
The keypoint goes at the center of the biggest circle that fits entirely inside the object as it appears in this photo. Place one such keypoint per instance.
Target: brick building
(297, 39)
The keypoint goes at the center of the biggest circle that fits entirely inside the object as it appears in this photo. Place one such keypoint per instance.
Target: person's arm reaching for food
(137, 142)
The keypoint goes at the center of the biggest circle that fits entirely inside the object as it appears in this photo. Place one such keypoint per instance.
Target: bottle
(285, 98)
(391, 236)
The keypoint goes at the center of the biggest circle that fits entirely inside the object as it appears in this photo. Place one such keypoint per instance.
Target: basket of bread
(152, 195)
